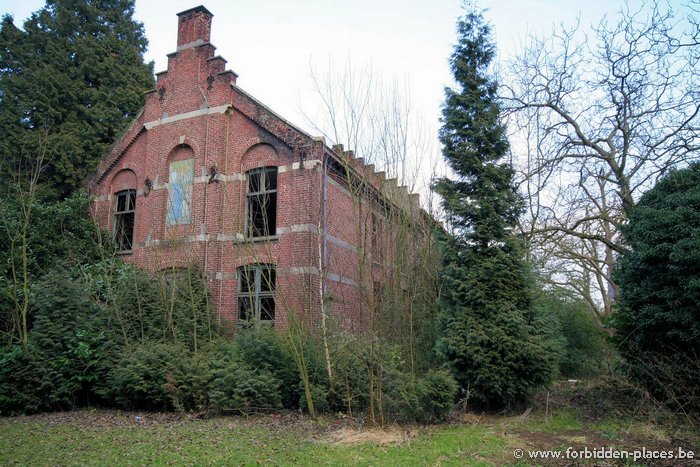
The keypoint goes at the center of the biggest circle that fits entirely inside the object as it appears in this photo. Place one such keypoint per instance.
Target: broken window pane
(262, 202)
(121, 202)
(254, 181)
(271, 179)
(267, 279)
(245, 309)
(124, 218)
(256, 217)
(247, 280)
(267, 309)
(256, 302)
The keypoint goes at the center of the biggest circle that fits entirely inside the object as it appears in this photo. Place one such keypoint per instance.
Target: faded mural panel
(180, 183)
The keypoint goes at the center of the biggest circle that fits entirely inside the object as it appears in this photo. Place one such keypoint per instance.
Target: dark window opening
(256, 290)
(262, 202)
(124, 220)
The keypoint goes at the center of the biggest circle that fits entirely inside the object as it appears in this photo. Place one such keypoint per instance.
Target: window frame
(256, 294)
(251, 232)
(118, 232)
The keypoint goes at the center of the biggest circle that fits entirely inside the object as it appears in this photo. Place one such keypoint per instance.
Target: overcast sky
(272, 43)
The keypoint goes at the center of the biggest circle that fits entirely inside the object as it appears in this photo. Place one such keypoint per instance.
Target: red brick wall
(197, 110)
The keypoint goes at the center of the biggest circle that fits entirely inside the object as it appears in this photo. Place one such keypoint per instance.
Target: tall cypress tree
(488, 333)
(69, 82)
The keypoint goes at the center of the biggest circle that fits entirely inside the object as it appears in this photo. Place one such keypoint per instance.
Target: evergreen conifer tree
(657, 321)
(489, 335)
(69, 82)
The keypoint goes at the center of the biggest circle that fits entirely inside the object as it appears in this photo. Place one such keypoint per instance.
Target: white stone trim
(294, 228)
(183, 116)
(225, 276)
(310, 164)
(342, 243)
(234, 177)
(178, 241)
(237, 176)
(297, 270)
(237, 237)
(341, 279)
(313, 270)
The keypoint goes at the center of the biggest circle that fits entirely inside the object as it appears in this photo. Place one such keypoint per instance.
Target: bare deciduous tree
(396, 259)
(23, 188)
(600, 118)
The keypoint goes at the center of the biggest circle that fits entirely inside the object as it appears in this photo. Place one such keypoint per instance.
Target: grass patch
(41, 440)
(91, 437)
(561, 420)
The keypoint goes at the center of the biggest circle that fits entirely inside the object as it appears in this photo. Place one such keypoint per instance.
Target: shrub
(70, 338)
(350, 391)
(144, 306)
(147, 376)
(26, 383)
(240, 389)
(265, 349)
(394, 381)
(184, 304)
(189, 387)
(430, 398)
(580, 340)
(319, 396)
(585, 342)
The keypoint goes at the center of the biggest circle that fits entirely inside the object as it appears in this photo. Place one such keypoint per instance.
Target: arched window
(261, 202)
(124, 213)
(256, 290)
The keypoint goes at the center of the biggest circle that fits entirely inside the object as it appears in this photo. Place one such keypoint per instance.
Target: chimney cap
(196, 9)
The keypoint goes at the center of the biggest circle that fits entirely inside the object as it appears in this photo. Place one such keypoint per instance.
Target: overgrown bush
(69, 343)
(71, 337)
(109, 333)
(586, 347)
(583, 345)
(172, 305)
(428, 399)
(239, 389)
(147, 375)
(265, 349)
(319, 396)
(105, 334)
(403, 397)
(27, 383)
(349, 392)
(59, 236)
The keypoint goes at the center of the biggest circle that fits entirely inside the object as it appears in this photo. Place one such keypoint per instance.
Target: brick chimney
(193, 27)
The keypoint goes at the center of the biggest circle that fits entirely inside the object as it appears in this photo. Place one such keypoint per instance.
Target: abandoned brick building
(208, 175)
